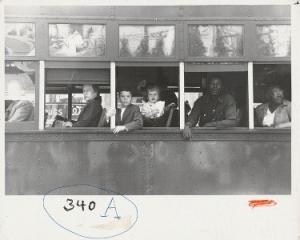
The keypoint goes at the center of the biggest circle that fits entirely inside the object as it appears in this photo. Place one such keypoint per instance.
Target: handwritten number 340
(92, 205)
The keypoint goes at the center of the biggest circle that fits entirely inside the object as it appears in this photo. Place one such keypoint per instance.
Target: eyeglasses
(276, 93)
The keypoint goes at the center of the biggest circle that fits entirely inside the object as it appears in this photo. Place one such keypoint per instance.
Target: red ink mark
(262, 203)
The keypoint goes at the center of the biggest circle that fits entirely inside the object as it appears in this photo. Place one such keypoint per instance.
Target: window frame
(177, 38)
(253, 109)
(187, 58)
(270, 59)
(43, 60)
(150, 64)
(28, 125)
(72, 65)
(17, 58)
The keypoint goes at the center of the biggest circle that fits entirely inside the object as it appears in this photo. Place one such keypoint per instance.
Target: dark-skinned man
(215, 109)
(276, 112)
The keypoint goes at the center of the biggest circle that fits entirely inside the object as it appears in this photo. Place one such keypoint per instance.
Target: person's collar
(285, 102)
(208, 98)
(125, 106)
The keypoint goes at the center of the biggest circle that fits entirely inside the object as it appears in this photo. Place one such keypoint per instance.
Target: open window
(64, 92)
(20, 95)
(163, 79)
(266, 76)
(234, 82)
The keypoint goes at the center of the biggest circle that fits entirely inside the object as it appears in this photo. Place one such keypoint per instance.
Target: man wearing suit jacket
(19, 111)
(129, 117)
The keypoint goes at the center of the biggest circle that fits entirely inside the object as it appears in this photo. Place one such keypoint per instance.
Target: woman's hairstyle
(96, 89)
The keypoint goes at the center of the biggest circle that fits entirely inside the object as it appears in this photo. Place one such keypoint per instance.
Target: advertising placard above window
(77, 40)
(274, 40)
(215, 40)
(19, 39)
(146, 41)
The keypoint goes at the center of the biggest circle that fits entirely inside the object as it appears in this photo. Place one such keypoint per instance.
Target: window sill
(155, 134)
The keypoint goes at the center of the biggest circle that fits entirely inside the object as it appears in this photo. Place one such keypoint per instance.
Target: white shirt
(269, 119)
(149, 107)
(122, 112)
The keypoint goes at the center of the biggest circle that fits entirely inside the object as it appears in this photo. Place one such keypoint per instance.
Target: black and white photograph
(20, 39)
(77, 40)
(122, 108)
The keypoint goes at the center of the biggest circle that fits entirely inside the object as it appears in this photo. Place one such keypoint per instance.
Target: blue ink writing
(103, 217)
(109, 207)
(92, 205)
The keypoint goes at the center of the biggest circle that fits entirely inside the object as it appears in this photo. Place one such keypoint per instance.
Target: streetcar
(51, 51)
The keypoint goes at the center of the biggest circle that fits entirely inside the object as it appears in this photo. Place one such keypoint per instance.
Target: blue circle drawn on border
(106, 190)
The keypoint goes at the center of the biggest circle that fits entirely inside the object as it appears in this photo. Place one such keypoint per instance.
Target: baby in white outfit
(153, 108)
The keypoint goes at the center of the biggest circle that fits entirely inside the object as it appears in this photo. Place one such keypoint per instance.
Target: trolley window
(231, 96)
(77, 40)
(145, 41)
(272, 95)
(64, 94)
(274, 40)
(20, 94)
(20, 39)
(155, 91)
(215, 40)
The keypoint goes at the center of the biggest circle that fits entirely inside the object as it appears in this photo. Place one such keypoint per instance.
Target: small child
(129, 116)
(153, 108)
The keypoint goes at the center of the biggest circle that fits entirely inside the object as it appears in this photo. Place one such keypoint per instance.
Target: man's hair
(215, 76)
(270, 88)
(125, 89)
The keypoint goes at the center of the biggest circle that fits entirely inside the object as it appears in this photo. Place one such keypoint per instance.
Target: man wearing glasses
(276, 112)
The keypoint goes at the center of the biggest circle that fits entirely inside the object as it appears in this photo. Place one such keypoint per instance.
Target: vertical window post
(41, 94)
(112, 91)
(250, 95)
(181, 94)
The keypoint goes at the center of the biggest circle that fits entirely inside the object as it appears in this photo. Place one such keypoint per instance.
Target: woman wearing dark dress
(91, 113)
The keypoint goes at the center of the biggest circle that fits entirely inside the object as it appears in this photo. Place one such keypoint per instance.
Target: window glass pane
(215, 112)
(20, 39)
(57, 104)
(274, 40)
(77, 40)
(272, 86)
(215, 40)
(154, 90)
(19, 91)
(147, 41)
